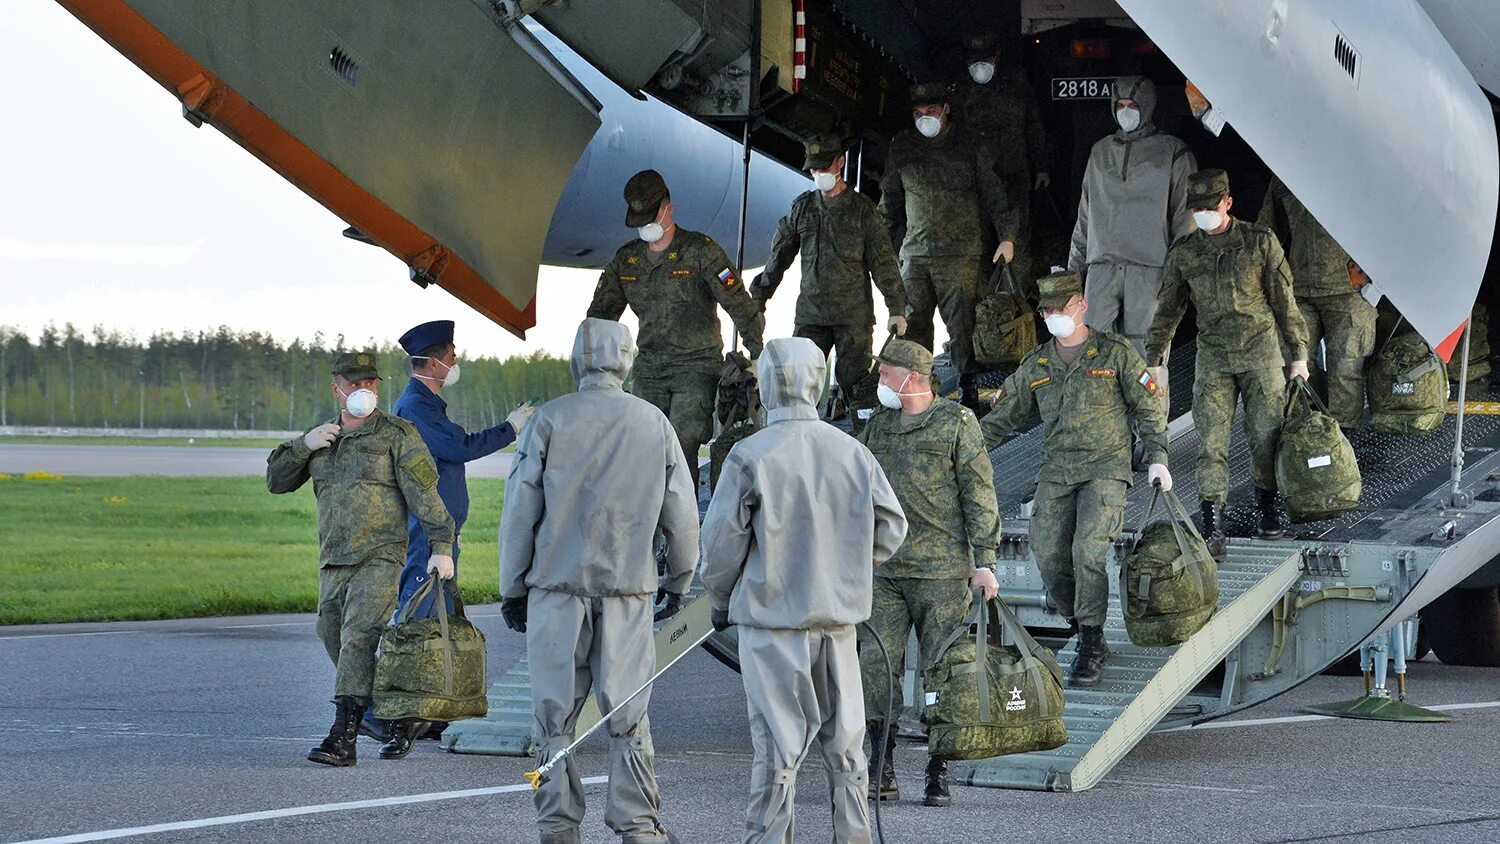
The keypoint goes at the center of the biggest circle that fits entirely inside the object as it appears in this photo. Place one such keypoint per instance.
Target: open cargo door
(1371, 119)
(426, 126)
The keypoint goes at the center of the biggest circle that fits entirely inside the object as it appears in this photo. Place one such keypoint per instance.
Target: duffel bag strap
(442, 611)
(423, 592)
(1432, 363)
(1140, 530)
(982, 659)
(1026, 646)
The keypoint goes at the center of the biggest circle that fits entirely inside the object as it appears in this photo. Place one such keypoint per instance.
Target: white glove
(321, 436)
(896, 325)
(520, 416)
(1042, 180)
(985, 579)
(441, 565)
(1157, 473)
(1006, 250)
(1298, 369)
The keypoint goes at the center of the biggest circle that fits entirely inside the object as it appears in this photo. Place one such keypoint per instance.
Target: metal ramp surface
(1142, 685)
(506, 730)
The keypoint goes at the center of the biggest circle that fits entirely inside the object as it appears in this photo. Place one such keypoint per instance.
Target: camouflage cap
(355, 366)
(980, 47)
(929, 93)
(1206, 187)
(821, 150)
(643, 197)
(907, 355)
(1055, 290)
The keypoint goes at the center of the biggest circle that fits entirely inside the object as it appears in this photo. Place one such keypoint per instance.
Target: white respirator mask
(929, 126)
(360, 403)
(1061, 325)
(825, 181)
(449, 379)
(1208, 220)
(892, 398)
(651, 232)
(1129, 118)
(982, 72)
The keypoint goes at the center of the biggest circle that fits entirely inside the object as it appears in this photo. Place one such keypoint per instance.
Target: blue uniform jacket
(451, 448)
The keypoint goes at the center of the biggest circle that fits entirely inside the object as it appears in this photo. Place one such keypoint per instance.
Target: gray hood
(603, 353)
(1143, 91)
(791, 372)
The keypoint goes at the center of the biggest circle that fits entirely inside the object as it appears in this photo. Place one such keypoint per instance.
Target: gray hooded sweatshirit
(801, 516)
(596, 474)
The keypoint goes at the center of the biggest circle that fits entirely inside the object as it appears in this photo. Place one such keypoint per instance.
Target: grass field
(157, 441)
(111, 549)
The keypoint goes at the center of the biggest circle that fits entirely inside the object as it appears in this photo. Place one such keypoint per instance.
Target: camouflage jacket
(675, 294)
(1088, 409)
(1320, 267)
(943, 191)
(843, 246)
(366, 483)
(942, 476)
(1004, 113)
(1241, 287)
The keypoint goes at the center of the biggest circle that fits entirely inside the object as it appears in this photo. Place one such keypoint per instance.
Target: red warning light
(1090, 48)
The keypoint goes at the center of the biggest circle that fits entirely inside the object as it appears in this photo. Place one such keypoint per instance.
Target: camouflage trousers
(934, 606)
(1072, 529)
(354, 604)
(949, 285)
(852, 369)
(1345, 325)
(1215, 395)
(687, 399)
(1122, 299)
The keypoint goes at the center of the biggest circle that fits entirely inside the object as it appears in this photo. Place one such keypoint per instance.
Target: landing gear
(1391, 646)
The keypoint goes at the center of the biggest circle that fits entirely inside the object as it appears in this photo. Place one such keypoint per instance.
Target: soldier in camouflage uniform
(933, 453)
(1335, 313)
(1091, 389)
(941, 187)
(1000, 104)
(1237, 279)
(675, 280)
(369, 471)
(843, 246)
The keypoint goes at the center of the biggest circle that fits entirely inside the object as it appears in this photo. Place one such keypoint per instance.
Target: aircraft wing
(1371, 119)
(426, 126)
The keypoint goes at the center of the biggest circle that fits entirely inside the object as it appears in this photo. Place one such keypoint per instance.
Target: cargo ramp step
(1142, 685)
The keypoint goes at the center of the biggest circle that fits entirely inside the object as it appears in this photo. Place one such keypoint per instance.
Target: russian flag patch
(1147, 381)
(726, 277)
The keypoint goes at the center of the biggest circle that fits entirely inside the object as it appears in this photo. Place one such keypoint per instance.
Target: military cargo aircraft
(464, 136)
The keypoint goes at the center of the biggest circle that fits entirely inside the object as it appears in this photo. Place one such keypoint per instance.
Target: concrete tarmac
(172, 461)
(196, 731)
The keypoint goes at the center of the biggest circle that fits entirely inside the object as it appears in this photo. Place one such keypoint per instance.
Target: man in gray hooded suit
(1132, 208)
(800, 518)
(596, 474)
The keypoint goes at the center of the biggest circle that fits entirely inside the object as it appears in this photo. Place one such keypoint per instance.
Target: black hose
(880, 744)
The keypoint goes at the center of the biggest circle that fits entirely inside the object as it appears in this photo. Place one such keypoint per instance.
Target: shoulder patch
(1147, 381)
(726, 277)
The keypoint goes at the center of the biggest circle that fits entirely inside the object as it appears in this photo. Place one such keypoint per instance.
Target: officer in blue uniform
(434, 369)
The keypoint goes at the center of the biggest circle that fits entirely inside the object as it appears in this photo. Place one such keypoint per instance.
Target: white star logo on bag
(1017, 702)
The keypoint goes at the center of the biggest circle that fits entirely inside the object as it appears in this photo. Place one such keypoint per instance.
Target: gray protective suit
(1134, 205)
(596, 474)
(800, 518)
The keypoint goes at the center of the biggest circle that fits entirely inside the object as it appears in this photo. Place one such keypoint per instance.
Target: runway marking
(1302, 719)
(291, 812)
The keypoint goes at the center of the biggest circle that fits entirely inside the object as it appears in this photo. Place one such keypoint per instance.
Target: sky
(118, 212)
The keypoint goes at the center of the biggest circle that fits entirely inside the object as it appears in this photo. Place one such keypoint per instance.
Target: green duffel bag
(1407, 385)
(986, 699)
(431, 668)
(1169, 584)
(1004, 324)
(737, 407)
(1316, 470)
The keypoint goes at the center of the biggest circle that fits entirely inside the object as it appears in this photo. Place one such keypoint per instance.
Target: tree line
(228, 380)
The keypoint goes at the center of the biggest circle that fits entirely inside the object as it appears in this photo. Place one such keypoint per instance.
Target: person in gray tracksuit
(1132, 208)
(801, 517)
(596, 474)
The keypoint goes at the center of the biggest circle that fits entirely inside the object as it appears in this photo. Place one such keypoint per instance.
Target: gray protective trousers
(1122, 300)
(803, 686)
(574, 643)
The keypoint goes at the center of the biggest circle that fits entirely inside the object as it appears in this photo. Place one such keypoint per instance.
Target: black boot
(883, 779)
(936, 793)
(968, 394)
(338, 748)
(1270, 516)
(1088, 664)
(403, 733)
(1213, 530)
